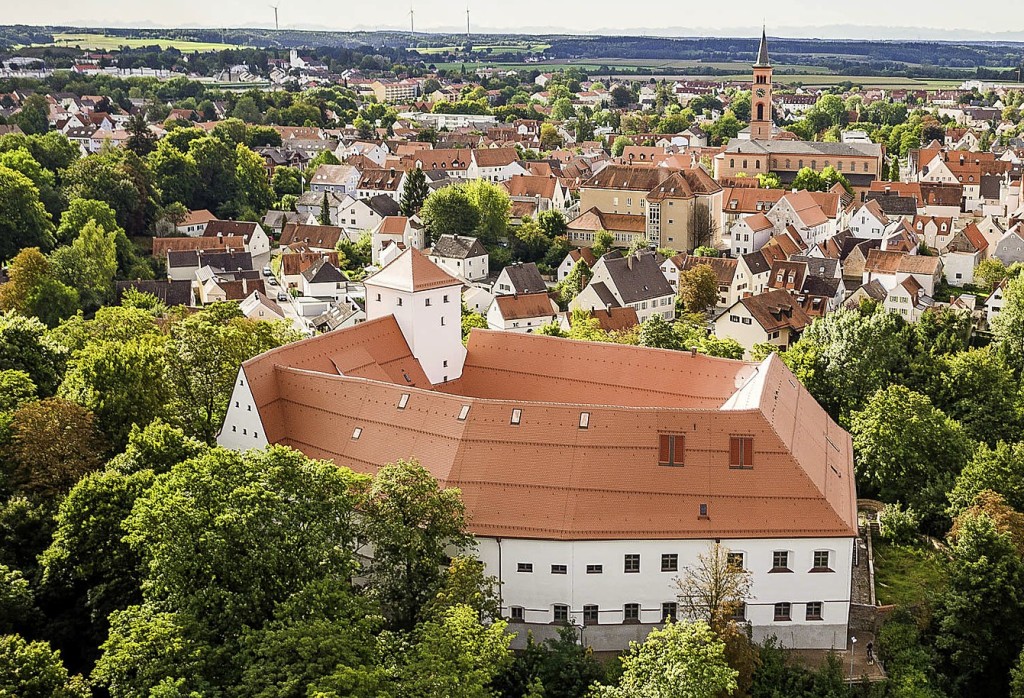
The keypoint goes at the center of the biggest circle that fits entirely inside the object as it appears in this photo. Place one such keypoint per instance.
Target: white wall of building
(538, 591)
(243, 428)
(431, 321)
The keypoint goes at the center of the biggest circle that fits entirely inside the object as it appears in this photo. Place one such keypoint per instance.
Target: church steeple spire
(762, 51)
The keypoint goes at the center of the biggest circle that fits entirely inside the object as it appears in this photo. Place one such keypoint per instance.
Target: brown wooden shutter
(664, 449)
(735, 457)
(748, 452)
(679, 449)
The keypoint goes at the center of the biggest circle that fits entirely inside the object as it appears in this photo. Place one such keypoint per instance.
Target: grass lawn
(907, 575)
(103, 42)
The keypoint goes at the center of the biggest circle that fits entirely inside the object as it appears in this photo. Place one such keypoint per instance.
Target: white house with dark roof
(323, 280)
(635, 280)
(519, 278)
(465, 257)
(337, 179)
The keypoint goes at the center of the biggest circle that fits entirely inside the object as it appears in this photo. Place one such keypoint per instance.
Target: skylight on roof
(463, 413)
(403, 401)
(356, 433)
(517, 416)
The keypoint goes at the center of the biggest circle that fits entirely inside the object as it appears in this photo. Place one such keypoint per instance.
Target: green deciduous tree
(54, 443)
(680, 660)
(286, 180)
(844, 357)
(1008, 326)
(1000, 469)
(656, 333)
(120, 178)
(698, 288)
(89, 265)
(493, 205)
(175, 174)
(33, 290)
(980, 618)
(34, 116)
(122, 383)
(226, 539)
(25, 347)
(412, 524)
(24, 221)
(204, 355)
(34, 670)
(455, 656)
(980, 392)
(907, 450)
(449, 211)
(78, 215)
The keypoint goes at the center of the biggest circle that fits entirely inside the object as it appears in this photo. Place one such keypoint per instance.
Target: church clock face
(760, 92)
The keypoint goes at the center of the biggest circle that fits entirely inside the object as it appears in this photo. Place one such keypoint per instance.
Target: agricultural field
(104, 42)
(492, 49)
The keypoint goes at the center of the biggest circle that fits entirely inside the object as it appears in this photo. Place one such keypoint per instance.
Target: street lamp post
(853, 648)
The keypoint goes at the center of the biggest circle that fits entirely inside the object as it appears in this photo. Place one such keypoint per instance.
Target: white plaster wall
(539, 591)
(431, 326)
(242, 428)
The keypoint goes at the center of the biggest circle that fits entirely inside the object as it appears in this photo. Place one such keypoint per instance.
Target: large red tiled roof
(546, 477)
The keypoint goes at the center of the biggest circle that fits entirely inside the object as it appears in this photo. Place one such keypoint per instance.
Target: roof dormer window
(517, 416)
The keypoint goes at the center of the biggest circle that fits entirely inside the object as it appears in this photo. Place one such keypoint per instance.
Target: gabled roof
(776, 310)
(531, 185)
(806, 208)
(638, 277)
(883, 261)
(171, 293)
(320, 236)
(162, 246)
(525, 277)
(628, 178)
(530, 305)
(323, 272)
(613, 319)
(312, 394)
(334, 175)
(412, 271)
(758, 222)
(219, 227)
(724, 267)
(457, 247)
(685, 184)
(383, 205)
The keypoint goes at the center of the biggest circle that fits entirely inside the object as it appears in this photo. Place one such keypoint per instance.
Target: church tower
(761, 124)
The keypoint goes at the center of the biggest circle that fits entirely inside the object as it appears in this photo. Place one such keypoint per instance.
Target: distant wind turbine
(467, 22)
(412, 20)
(274, 8)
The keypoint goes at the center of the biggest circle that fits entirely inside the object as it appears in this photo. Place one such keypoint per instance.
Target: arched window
(760, 112)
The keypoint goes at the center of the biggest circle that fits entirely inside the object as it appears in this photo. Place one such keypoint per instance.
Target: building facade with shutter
(593, 474)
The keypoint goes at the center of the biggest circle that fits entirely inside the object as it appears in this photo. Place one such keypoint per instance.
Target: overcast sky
(865, 19)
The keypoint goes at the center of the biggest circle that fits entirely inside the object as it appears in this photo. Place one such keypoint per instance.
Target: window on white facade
(814, 609)
(739, 613)
(559, 569)
(561, 613)
(822, 559)
(595, 569)
(669, 562)
(780, 561)
(669, 610)
(524, 567)
(782, 611)
(590, 614)
(517, 614)
(631, 613)
(631, 564)
(734, 560)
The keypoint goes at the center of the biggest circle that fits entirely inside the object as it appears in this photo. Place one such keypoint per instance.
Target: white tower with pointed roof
(427, 304)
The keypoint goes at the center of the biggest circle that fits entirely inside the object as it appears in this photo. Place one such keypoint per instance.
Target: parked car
(282, 297)
(267, 271)
(272, 281)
